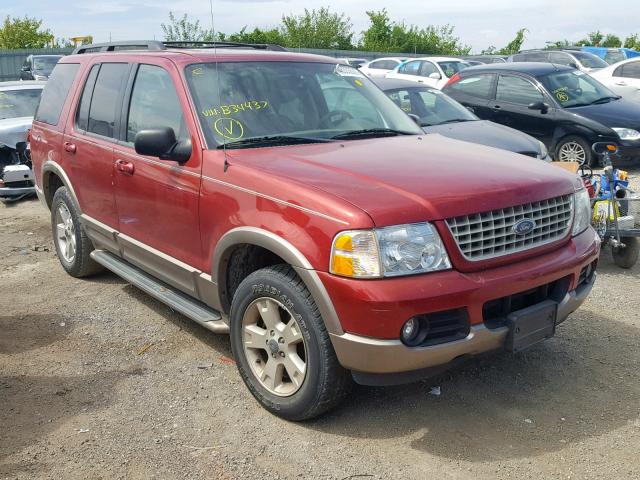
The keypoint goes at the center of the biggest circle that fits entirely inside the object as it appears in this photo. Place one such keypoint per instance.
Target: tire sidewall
(62, 196)
(627, 256)
(259, 285)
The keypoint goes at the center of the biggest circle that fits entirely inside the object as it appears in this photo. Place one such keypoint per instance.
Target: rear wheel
(627, 256)
(72, 244)
(281, 346)
(575, 149)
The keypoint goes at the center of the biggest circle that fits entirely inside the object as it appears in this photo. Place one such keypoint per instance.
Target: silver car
(18, 103)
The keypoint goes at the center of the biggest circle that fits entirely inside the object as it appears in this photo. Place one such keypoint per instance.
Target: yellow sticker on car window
(561, 94)
(197, 71)
(358, 82)
(229, 128)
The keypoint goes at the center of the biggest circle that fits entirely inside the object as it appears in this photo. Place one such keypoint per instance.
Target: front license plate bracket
(531, 325)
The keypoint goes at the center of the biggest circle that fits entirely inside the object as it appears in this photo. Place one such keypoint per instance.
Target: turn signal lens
(355, 254)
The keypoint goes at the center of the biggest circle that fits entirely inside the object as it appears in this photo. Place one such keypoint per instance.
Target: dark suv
(38, 67)
(233, 184)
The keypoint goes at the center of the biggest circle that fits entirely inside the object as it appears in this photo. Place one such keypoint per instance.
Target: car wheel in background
(627, 256)
(72, 244)
(575, 149)
(282, 348)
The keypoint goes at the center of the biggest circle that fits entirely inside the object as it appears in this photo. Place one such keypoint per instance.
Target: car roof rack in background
(157, 45)
(550, 49)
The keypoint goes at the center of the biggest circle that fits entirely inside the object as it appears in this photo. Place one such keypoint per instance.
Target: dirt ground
(98, 380)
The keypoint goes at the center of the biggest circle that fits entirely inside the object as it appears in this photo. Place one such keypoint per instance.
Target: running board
(189, 307)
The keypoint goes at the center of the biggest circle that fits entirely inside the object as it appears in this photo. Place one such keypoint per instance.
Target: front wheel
(282, 348)
(627, 256)
(575, 149)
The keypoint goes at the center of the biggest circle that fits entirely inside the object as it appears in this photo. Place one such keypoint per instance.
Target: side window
(631, 70)
(378, 64)
(534, 57)
(618, 72)
(402, 99)
(105, 103)
(55, 92)
(517, 90)
(352, 101)
(154, 103)
(560, 58)
(479, 86)
(411, 68)
(427, 69)
(82, 115)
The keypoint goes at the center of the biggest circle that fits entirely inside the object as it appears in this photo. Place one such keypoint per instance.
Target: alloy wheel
(572, 152)
(65, 233)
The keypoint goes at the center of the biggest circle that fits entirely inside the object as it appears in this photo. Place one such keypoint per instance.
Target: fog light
(410, 330)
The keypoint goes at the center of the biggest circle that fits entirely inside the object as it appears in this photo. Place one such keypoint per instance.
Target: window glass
(427, 69)
(250, 100)
(618, 71)
(104, 102)
(411, 68)
(432, 106)
(631, 70)
(154, 103)
(561, 58)
(452, 67)
(575, 88)
(475, 86)
(55, 92)
(613, 56)
(379, 64)
(19, 103)
(44, 64)
(82, 116)
(531, 57)
(590, 60)
(517, 90)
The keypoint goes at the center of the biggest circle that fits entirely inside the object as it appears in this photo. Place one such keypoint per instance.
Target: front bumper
(371, 343)
(628, 151)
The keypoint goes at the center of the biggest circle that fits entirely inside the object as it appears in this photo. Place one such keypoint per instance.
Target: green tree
(632, 41)
(377, 38)
(560, 44)
(611, 41)
(23, 33)
(514, 45)
(594, 39)
(318, 29)
(257, 35)
(182, 29)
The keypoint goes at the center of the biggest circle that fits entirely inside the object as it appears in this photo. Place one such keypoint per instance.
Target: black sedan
(565, 108)
(439, 113)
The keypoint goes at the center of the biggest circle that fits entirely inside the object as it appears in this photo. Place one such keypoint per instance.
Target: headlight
(581, 211)
(627, 133)
(544, 153)
(388, 252)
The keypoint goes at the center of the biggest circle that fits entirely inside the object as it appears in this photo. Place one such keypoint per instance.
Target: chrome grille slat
(485, 235)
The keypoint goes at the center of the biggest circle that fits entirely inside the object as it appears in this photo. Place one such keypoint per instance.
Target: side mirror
(435, 76)
(543, 107)
(574, 65)
(600, 148)
(415, 118)
(162, 143)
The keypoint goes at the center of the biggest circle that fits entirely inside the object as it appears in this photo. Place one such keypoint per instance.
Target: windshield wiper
(602, 100)
(271, 141)
(370, 132)
(456, 120)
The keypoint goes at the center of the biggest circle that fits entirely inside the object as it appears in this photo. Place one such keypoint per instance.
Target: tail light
(452, 80)
(29, 136)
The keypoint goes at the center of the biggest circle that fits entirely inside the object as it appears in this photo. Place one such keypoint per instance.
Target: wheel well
(52, 182)
(243, 260)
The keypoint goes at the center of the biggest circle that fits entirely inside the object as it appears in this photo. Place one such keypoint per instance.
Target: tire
(576, 149)
(304, 379)
(72, 244)
(628, 256)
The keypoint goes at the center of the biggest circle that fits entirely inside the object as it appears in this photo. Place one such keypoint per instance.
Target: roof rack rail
(157, 45)
(547, 49)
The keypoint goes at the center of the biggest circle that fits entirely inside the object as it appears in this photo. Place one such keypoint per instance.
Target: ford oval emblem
(524, 226)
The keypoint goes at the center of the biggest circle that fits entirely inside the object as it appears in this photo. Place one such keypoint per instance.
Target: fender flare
(285, 250)
(48, 168)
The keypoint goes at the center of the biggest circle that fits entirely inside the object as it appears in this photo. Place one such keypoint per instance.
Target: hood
(412, 178)
(490, 134)
(616, 113)
(14, 130)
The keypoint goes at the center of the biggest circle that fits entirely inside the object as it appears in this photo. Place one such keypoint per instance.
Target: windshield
(452, 67)
(576, 89)
(19, 103)
(590, 60)
(238, 102)
(45, 64)
(432, 106)
(614, 56)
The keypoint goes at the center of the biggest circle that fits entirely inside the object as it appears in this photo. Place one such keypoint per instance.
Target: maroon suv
(284, 199)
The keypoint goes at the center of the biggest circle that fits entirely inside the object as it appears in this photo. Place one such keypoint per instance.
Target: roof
(393, 83)
(531, 68)
(22, 85)
(439, 59)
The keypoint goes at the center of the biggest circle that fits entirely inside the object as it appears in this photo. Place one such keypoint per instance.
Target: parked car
(18, 102)
(485, 58)
(432, 71)
(38, 67)
(622, 78)
(332, 241)
(380, 67)
(611, 55)
(564, 108)
(355, 62)
(439, 113)
(583, 61)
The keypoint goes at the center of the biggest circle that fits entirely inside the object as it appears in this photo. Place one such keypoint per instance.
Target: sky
(478, 23)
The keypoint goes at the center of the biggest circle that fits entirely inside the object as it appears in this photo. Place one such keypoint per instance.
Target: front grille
(490, 234)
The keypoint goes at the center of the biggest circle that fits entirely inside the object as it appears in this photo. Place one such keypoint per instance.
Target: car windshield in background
(451, 68)
(590, 60)
(279, 103)
(614, 57)
(45, 64)
(576, 89)
(19, 103)
(432, 106)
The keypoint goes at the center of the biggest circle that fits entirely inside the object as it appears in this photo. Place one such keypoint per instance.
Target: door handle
(497, 107)
(70, 147)
(622, 84)
(125, 167)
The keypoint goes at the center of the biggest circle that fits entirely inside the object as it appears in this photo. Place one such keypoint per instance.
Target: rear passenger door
(626, 80)
(474, 92)
(157, 199)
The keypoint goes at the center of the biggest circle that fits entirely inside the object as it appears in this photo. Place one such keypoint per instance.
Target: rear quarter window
(479, 86)
(55, 92)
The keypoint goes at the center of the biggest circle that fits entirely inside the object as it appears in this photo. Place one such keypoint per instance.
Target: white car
(432, 71)
(380, 67)
(622, 77)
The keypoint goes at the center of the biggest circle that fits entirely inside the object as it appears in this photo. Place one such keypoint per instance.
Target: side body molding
(286, 251)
